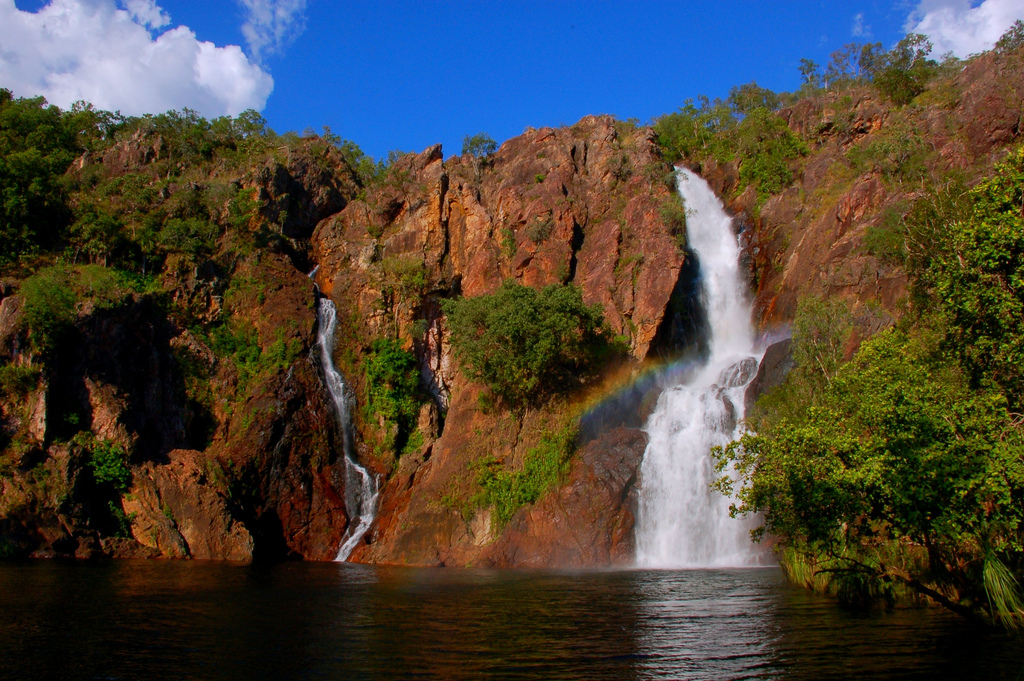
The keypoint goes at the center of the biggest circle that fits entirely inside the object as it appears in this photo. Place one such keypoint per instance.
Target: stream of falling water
(682, 522)
(360, 485)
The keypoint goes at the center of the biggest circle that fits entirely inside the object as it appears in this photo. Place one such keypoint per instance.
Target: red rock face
(580, 205)
(583, 204)
(810, 238)
(588, 522)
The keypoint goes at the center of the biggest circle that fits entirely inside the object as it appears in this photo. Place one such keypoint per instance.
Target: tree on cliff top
(479, 145)
(526, 344)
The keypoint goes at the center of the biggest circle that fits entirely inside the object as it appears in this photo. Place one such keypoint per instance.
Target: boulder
(775, 366)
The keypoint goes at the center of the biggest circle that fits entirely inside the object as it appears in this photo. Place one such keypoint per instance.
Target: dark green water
(181, 620)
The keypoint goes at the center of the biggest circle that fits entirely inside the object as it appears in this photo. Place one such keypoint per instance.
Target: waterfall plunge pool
(196, 620)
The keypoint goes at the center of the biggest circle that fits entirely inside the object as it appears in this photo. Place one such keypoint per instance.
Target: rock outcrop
(241, 459)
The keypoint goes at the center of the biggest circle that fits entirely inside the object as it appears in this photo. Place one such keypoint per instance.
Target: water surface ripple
(182, 620)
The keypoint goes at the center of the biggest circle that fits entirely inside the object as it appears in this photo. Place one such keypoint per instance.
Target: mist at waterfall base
(682, 522)
(360, 485)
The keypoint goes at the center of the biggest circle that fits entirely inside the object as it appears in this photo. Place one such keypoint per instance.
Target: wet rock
(775, 366)
(738, 374)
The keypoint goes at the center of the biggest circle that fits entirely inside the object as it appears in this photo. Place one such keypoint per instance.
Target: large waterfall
(682, 522)
(360, 485)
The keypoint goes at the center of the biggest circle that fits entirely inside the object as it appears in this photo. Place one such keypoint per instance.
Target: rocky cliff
(208, 383)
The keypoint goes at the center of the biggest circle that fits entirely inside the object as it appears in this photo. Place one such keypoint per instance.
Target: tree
(393, 390)
(36, 147)
(979, 282)
(904, 466)
(525, 344)
(50, 306)
(809, 72)
(903, 72)
(745, 98)
(480, 145)
(1012, 39)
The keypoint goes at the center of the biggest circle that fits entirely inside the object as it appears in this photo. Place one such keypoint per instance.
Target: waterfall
(360, 485)
(682, 522)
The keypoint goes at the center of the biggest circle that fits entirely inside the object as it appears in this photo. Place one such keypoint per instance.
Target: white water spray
(360, 485)
(682, 522)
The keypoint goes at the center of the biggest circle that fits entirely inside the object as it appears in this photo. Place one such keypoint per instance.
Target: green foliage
(899, 154)
(17, 381)
(900, 452)
(238, 341)
(766, 146)
(50, 306)
(673, 214)
(122, 522)
(903, 72)
(393, 390)
(109, 463)
(195, 237)
(36, 147)
(821, 329)
(539, 230)
(914, 235)
(904, 465)
(1012, 39)
(366, 169)
(480, 145)
(696, 130)
(979, 282)
(544, 466)
(744, 99)
(760, 140)
(525, 344)
(1003, 591)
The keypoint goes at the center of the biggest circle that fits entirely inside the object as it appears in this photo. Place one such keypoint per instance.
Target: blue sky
(404, 75)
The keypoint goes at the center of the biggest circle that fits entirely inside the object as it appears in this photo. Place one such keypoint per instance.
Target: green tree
(901, 473)
(50, 306)
(903, 72)
(979, 282)
(765, 146)
(393, 389)
(36, 147)
(480, 145)
(745, 98)
(525, 344)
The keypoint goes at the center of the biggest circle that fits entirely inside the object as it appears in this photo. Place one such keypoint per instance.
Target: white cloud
(91, 49)
(860, 30)
(147, 13)
(271, 25)
(958, 27)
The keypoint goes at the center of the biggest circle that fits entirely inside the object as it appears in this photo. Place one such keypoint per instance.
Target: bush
(18, 381)
(36, 147)
(109, 463)
(979, 282)
(899, 453)
(903, 73)
(393, 390)
(50, 306)
(766, 145)
(525, 344)
(196, 237)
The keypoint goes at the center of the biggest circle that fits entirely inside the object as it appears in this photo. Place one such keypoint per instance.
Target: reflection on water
(155, 620)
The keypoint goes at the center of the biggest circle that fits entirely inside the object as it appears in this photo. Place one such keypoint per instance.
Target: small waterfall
(682, 522)
(360, 485)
